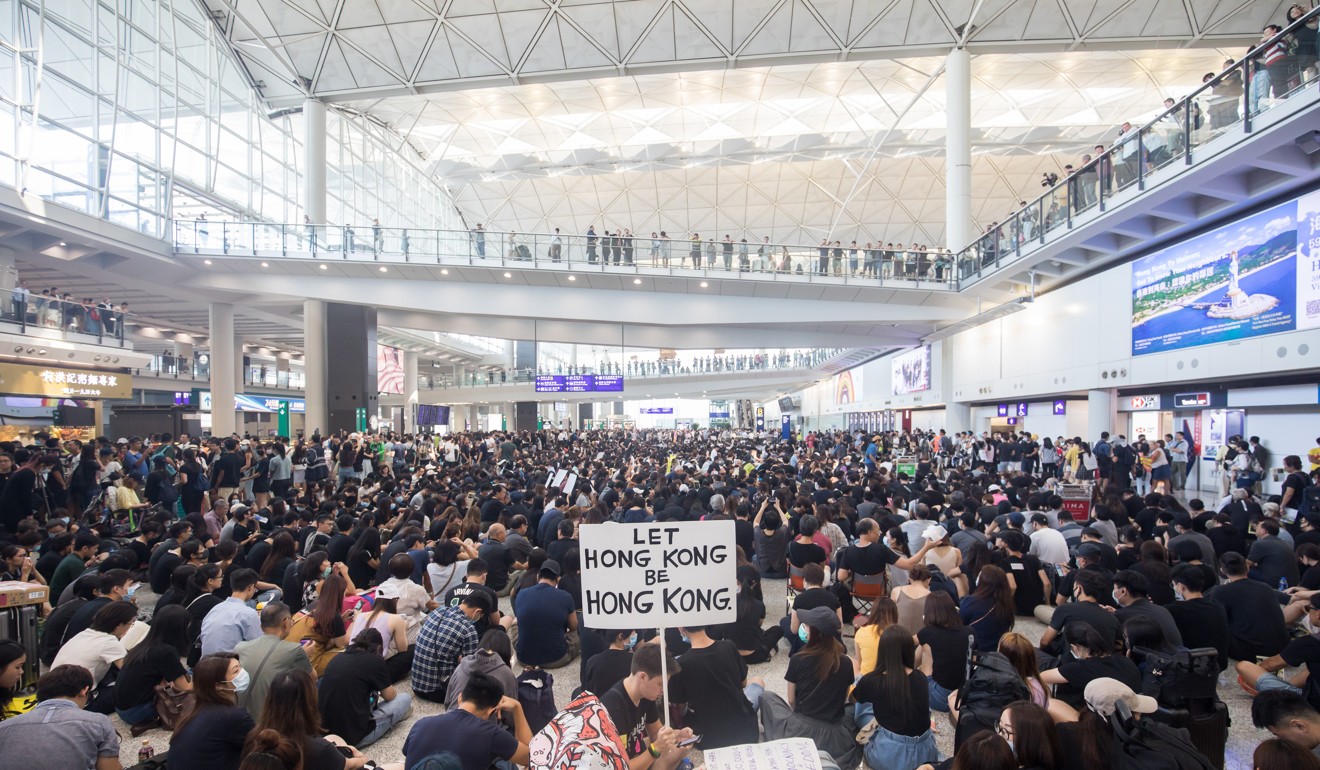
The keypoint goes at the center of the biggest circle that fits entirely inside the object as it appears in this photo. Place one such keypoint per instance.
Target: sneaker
(864, 734)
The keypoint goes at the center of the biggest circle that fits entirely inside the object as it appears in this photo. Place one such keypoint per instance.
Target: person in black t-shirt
(1090, 584)
(631, 704)
(476, 583)
(868, 556)
(1203, 622)
(1093, 659)
(714, 686)
(612, 665)
(1255, 619)
(814, 596)
(1302, 651)
(802, 551)
(1031, 584)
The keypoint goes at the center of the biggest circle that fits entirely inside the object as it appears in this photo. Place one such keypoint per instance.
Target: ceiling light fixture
(508, 275)
(265, 264)
(444, 271)
(62, 243)
(325, 267)
(572, 278)
(206, 261)
(704, 284)
(382, 268)
(637, 281)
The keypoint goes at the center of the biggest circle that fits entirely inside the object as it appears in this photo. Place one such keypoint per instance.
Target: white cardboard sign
(786, 754)
(660, 575)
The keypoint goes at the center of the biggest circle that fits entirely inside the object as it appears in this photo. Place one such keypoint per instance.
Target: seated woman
(893, 707)
(268, 750)
(494, 658)
(1142, 633)
(1094, 660)
(291, 711)
(156, 659)
(983, 751)
(988, 610)
(884, 613)
(1031, 733)
(1088, 743)
(392, 628)
(100, 650)
(210, 736)
(356, 696)
(755, 644)
(819, 678)
(446, 569)
(804, 549)
(770, 542)
(911, 598)
(942, 650)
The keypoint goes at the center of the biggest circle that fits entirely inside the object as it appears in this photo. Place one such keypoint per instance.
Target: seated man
(232, 621)
(813, 595)
(721, 701)
(269, 656)
(1255, 620)
(1301, 651)
(448, 635)
(545, 633)
(468, 731)
(59, 733)
(631, 704)
(1287, 715)
(869, 556)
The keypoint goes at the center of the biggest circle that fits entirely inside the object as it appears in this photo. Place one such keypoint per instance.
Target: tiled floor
(1242, 736)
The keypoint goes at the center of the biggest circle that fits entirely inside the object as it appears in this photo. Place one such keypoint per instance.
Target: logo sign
(659, 575)
(1191, 399)
(1060, 408)
(60, 382)
(1144, 402)
(1003, 410)
(1022, 410)
(657, 410)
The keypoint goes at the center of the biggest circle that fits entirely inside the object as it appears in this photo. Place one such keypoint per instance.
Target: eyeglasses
(1005, 732)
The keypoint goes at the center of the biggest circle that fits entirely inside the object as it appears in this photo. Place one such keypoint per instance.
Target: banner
(658, 575)
(785, 754)
(848, 387)
(1237, 281)
(389, 370)
(1308, 262)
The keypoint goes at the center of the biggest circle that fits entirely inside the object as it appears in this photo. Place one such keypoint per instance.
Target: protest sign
(660, 575)
(786, 754)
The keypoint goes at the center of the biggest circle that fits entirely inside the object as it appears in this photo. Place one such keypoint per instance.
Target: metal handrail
(1232, 99)
(64, 319)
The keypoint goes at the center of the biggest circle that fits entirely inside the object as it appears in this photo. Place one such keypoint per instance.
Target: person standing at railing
(311, 233)
(1259, 84)
(823, 257)
(200, 230)
(479, 240)
(666, 247)
(377, 237)
(18, 301)
(655, 250)
(1274, 55)
(591, 244)
(727, 249)
(837, 255)
(744, 261)
(93, 315)
(694, 252)
(556, 246)
(349, 246)
(627, 242)
(852, 258)
(1302, 54)
(710, 253)
(763, 255)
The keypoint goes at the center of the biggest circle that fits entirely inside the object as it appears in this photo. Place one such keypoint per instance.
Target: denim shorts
(1273, 682)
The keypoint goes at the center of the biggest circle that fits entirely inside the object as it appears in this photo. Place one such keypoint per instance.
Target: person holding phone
(632, 706)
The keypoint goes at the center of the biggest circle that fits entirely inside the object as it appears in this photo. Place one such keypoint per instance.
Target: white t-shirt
(95, 651)
(1049, 546)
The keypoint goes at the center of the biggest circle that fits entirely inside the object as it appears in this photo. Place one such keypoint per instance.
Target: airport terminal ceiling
(794, 119)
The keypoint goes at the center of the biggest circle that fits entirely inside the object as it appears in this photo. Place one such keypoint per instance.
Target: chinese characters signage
(62, 382)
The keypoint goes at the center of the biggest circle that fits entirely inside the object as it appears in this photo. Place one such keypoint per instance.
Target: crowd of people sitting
(300, 616)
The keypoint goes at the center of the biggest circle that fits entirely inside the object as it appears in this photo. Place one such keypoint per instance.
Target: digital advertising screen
(389, 370)
(1254, 276)
(910, 371)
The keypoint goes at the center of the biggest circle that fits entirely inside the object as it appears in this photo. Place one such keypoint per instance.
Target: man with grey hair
(268, 656)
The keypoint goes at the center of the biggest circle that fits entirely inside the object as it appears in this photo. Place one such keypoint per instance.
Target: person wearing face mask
(114, 585)
(1202, 622)
(210, 736)
(1093, 659)
(611, 665)
(1032, 736)
(447, 636)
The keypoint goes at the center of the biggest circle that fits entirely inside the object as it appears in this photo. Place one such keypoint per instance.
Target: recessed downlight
(325, 267)
(508, 275)
(206, 261)
(572, 278)
(637, 281)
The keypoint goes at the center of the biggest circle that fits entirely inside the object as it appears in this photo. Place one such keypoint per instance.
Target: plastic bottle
(146, 752)
(1283, 584)
(686, 764)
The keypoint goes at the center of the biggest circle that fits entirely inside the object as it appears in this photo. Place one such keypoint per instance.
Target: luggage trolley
(1077, 499)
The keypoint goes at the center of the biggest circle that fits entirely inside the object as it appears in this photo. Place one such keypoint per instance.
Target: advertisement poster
(389, 370)
(910, 371)
(1308, 262)
(1234, 282)
(848, 387)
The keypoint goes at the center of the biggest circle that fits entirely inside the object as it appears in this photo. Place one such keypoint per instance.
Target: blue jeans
(387, 714)
(143, 712)
(753, 693)
(890, 751)
(939, 697)
(1274, 682)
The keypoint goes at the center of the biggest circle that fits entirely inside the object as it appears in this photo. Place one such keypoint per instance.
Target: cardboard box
(14, 593)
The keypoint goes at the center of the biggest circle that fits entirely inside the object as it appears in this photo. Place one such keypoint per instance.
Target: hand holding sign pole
(659, 576)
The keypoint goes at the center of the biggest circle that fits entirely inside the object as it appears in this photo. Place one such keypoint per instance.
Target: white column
(1100, 413)
(957, 417)
(314, 163)
(410, 394)
(317, 418)
(958, 149)
(222, 369)
(239, 369)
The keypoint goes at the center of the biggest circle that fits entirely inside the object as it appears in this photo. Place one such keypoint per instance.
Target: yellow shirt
(1314, 457)
(125, 498)
(868, 648)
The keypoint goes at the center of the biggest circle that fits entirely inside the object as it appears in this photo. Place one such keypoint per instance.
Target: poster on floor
(1234, 282)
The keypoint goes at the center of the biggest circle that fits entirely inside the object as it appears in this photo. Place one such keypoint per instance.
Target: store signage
(657, 410)
(1191, 399)
(62, 382)
(579, 383)
(1060, 408)
(1137, 403)
(760, 419)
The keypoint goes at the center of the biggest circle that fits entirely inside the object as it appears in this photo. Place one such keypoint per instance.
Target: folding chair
(796, 585)
(866, 589)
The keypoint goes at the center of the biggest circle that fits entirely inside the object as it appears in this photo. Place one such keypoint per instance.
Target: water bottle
(146, 752)
(1283, 584)
(686, 764)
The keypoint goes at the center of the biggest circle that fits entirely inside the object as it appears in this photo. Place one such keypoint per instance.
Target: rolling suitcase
(1206, 724)
(20, 625)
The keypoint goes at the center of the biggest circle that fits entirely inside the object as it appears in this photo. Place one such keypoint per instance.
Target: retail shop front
(63, 401)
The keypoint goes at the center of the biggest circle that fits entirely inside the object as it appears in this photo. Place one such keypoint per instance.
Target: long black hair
(169, 627)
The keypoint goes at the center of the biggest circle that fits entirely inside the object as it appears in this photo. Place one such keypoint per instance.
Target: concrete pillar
(317, 417)
(958, 149)
(957, 417)
(240, 371)
(410, 394)
(8, 272)
(1101, 414)
(474, 418)
(223, 364)
(314, 161)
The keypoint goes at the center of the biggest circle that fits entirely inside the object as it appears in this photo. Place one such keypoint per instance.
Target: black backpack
(536, 693)
(992, 683)
(1181, 680)
(1144, 744)
(941, 582)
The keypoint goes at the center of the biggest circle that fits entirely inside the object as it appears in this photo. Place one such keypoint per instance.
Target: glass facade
(134, 111)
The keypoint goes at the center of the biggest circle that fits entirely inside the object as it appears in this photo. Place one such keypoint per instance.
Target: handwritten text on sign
(786, 754)
(658, 575)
